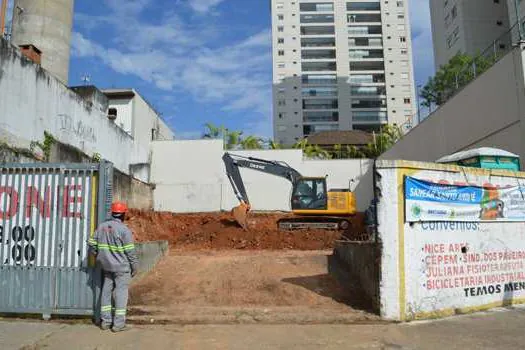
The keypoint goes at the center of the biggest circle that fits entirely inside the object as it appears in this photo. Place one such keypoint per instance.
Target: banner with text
(428, 201)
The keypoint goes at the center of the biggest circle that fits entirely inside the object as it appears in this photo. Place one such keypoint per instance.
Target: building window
(281, 65)
(280, 5)
(280, 52)
(400, 4)
(406, 101)
(280, 17)
(404, 52)
(400, 16)
(280, 40)
(280, 29)
(282, 115)
(402, 39)
(282, 90)
(281, 102)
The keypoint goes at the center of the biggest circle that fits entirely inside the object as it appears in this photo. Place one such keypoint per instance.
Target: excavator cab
(310, 193)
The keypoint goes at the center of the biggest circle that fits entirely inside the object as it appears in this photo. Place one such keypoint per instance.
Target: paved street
(495, 330)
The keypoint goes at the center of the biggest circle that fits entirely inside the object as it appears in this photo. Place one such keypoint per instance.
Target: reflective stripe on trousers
(115, 284)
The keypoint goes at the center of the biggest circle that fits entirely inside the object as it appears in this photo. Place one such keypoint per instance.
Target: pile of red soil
(220, 231)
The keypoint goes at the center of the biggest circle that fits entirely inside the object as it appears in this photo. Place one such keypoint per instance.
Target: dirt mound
(220, 231)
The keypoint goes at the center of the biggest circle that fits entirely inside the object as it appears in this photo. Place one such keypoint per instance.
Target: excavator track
(321, 223)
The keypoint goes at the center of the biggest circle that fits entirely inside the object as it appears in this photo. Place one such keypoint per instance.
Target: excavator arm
(233, 162)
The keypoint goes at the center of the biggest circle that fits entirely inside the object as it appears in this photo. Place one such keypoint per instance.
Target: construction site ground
(218, 273)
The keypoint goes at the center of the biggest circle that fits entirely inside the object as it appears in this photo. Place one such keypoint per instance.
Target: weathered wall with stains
(440, 268)
(32, 101)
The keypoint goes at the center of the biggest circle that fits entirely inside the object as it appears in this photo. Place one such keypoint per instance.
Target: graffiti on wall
(77, 127)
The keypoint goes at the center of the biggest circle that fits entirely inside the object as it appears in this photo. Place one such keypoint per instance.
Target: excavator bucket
(240, 214)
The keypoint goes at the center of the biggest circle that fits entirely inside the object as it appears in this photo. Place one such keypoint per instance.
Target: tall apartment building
(467, 26)
(516, 10)
(340, 65)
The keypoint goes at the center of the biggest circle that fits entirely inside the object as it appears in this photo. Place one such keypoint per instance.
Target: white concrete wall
(417, 283)
(487, 112)
(32, 101)
(124, 114)
(190, 177)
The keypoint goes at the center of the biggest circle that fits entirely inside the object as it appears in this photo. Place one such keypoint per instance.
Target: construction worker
(113, 247)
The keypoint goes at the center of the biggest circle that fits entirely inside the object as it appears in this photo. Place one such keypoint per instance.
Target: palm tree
(251, 142)
(386, 138)
(233, 139)
(354, 152)
(316, 152)
(338, 152)
(274, 145)
(213, 132)
(301, 144)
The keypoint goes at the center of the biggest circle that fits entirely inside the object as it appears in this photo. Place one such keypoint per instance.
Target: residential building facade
(468, 26)
(340, 65)
(516, 10)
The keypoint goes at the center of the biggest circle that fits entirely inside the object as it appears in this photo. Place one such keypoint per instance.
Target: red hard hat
(119, 208)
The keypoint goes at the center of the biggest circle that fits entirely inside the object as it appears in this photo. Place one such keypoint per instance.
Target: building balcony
(316, 7)
(368, 104)
(367, 79)
(320, 104)
(370, 66)
(366, 42)
(363, 6)
(365, 30)
(318, 54)
(361, 19)
(368, 91)
(316, 18)
(318, 66)
(320, 117)
(369, 116)
(318, 30)
(307, 43)
(319, 92)
(312, 129)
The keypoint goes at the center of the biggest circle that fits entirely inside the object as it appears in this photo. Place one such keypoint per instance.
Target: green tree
(274, 145)
(354, 152)
(231, 139)
(312, 151)
(459, 71)
(213, 131)
(338, 152)
(316, 151)
(251, 142)
(301, 144)
(383, 141)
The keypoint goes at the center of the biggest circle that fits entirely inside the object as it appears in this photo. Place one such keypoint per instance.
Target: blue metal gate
(47, 213)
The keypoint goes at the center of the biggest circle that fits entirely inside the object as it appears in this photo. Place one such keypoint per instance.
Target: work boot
(105, 326)
(121, 329)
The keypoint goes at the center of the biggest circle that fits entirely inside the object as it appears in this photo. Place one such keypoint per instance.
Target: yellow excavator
(312, 204)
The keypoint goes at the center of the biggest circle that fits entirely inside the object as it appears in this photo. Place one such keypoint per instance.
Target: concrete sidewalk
(495, 330)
